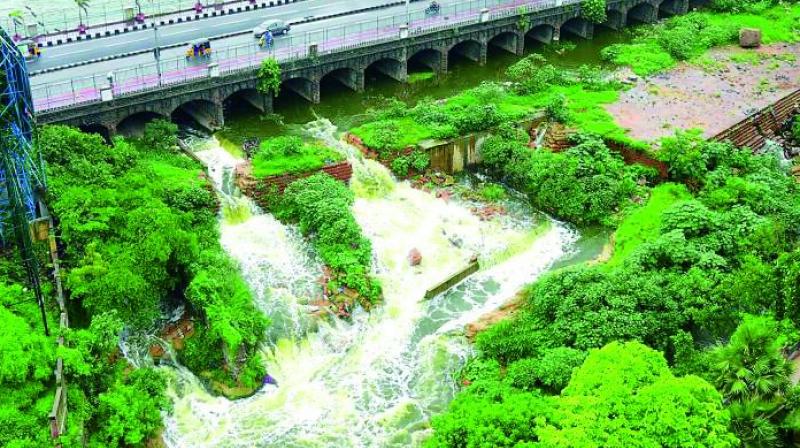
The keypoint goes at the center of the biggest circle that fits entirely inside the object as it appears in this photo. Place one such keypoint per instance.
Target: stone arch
(669, 8)
(246, 98)
(387, 67)
(426, 57)
(132, 125)
(305, 88)
(469, 49)
(544, 33)
(643, 12)
(97, 128)
(578, 26)
(204, 113)
(349, 77)
(509, 41)
(615, 19)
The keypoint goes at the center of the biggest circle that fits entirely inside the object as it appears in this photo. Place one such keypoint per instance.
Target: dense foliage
(690, 264)
(281, 155)
(138, 226)
(585, 184)
(321, 205)
(622, 395)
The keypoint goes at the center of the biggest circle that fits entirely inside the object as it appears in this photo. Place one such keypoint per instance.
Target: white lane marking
(193, 30)
(231, 23)
(128, 42)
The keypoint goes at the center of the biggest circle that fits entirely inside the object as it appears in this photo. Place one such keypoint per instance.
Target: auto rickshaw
(29, 49)
(199, 49)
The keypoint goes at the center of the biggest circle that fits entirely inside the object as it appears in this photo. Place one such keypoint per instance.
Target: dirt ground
(712, 94)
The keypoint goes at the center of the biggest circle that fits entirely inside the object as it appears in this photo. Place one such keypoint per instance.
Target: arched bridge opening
(425, 61)
(541, 35)
(97, 128)
(133, 125)
(386, 69)
(669, 8)
(642, 13)
(468, 50)
(344, 78)
(508, 41)
(295, 90)
(199, 114)
(245, 102)
(577, 27)
(615, 19)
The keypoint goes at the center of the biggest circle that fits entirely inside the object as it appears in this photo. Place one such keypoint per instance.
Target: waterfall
(373, 381)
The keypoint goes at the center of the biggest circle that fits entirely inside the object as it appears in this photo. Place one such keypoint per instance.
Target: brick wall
(255, 188)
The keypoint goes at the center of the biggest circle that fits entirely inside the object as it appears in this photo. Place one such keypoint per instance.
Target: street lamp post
(157, 52)
(408, 18)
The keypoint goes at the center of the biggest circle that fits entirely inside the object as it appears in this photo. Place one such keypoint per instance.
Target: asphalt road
(300, 35)
(182, 32)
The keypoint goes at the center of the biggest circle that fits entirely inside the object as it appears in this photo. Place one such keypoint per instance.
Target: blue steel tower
(22, 174)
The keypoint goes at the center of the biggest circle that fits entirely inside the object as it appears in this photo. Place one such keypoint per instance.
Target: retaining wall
(755, 130)
(256, 188)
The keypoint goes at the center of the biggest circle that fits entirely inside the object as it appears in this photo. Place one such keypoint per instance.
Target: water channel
(374, 381)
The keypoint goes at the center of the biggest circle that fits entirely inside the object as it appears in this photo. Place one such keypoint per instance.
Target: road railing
(112, 16)
(146, 77)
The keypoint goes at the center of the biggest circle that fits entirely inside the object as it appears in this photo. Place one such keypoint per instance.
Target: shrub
(269, 77)
(556, 109)
(321, 206)
(594, 10)
(160, 135)
(400, 166)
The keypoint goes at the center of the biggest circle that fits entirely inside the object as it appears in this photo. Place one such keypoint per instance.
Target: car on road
(276, 27)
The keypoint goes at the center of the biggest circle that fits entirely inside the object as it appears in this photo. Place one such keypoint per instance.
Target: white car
(275, 27)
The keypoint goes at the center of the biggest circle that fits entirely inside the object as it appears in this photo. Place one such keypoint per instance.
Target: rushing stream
(375, 381)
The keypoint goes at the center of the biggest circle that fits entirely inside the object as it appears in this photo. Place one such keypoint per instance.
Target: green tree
(269, 77)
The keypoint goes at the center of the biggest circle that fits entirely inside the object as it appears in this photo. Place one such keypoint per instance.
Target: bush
(492, 192)
(160, 136)
(533, 74)
(556, 110)
(321, 206)
(269, 77)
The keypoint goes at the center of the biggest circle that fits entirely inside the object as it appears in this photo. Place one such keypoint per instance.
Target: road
(300, 36)
(182, 32)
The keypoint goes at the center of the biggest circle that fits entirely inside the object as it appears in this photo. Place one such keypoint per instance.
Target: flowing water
(374, 381)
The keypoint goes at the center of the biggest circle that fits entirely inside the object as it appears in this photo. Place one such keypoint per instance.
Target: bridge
(201, 90)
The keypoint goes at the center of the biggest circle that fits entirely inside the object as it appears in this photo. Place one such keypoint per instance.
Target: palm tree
(83, 5)
(755, 380)
(17, 19)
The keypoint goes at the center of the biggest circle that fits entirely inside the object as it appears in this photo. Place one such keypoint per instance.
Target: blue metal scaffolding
(22, 174)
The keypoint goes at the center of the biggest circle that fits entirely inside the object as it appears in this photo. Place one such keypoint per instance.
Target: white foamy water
(375, 381)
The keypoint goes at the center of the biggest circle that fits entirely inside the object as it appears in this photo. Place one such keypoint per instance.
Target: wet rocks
(414, 257)
(750, 38)
(488, 212)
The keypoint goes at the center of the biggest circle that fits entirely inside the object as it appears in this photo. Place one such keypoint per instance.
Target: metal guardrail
(145, 77)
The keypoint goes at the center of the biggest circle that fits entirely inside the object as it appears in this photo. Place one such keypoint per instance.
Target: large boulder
(749, 37)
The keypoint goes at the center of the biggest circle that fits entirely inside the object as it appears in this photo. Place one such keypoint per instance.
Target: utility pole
(408, 17)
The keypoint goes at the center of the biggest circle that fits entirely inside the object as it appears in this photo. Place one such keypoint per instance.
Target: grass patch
(643, 224)
(290, 155)
(659, 47)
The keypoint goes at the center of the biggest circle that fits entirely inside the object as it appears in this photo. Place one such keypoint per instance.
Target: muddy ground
(711, 93)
